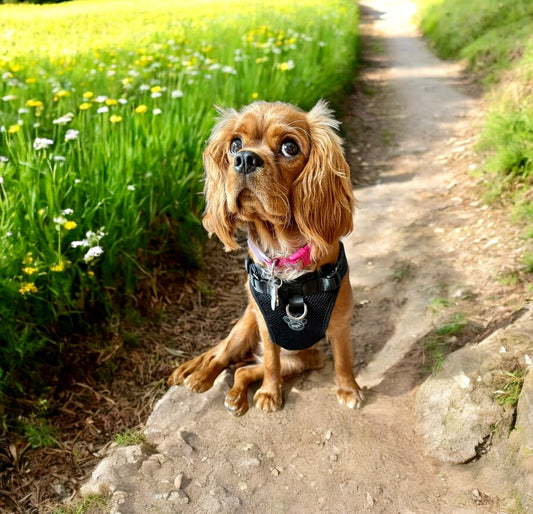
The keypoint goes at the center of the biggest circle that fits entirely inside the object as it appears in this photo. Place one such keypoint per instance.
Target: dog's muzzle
(246, 162)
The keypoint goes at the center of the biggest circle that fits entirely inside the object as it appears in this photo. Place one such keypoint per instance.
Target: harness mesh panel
(294, 335)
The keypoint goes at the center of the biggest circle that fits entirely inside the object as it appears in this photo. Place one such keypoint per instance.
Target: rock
(108, 474)
(519, 448)
(456, 410)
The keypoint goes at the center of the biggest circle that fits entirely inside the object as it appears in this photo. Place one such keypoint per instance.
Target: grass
(38, 432)
(509, 387)
(104, 110)
(129, 437)
(495, 41)
(91, 503)
(442, 341)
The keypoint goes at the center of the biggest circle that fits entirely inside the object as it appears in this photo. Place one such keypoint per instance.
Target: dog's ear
(217, 220)
(322, 196)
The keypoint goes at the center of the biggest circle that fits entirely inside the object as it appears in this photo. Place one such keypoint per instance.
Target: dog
(279, 175)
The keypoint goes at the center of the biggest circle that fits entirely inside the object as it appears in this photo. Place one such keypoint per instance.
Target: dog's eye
(289, 148)
(235, 145)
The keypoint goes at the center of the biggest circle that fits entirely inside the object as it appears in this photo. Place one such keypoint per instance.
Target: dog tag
(275, 284)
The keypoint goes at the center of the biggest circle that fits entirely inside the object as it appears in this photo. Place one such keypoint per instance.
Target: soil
(424, 248)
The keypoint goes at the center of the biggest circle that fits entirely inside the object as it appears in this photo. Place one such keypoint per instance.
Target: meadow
(105, 107)
(494, 39)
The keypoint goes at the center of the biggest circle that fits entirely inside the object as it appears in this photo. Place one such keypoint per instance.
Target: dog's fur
(293, 198)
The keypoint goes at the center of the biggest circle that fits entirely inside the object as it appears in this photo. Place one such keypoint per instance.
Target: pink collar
(299, 259)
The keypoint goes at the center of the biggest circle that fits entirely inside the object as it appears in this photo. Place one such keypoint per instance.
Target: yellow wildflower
(255, 96)
(115, 119)
(13, 129)
(31, 80)
(285, 66)
(29, 270)
(88, 94)
(84, 106)
(34, 103)
(155, 89)
(27, 287)
(62, 93)
(111, 101)
(70, 225)
(58, 267)
(141, 109)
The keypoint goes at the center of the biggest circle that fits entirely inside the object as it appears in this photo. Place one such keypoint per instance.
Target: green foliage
(103, 120)
(38, 432)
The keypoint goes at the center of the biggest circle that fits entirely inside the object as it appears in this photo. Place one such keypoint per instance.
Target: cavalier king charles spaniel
(278, 174)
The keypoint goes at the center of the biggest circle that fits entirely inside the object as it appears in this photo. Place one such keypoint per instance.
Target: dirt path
(420, 235)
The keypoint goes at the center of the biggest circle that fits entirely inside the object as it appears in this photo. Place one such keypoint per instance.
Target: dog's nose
(247, 162)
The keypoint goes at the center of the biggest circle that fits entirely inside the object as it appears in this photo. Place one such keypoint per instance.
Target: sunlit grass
(104, 110)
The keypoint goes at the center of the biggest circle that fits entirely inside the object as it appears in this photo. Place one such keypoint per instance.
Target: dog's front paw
(268, 401)
(176, 378)
(200, 381)
(236, 402)
(352, 398)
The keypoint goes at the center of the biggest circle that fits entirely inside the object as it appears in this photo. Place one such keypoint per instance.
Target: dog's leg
(237, 398)
(268, 397)
(338, 334)
(199, 373)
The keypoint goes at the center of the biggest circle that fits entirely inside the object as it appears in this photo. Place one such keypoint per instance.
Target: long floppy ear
(322, 195)
(217, 220)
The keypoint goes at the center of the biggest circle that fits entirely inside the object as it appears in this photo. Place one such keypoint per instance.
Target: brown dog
(279, 174)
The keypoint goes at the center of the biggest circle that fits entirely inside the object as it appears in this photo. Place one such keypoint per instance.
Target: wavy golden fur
(279, 175)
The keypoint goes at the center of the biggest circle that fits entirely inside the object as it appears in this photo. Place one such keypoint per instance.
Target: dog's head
(280, 173)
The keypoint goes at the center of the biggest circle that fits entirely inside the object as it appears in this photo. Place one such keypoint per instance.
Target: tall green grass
(104, 110)
(495, 38)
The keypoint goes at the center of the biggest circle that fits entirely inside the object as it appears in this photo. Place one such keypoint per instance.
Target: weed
(402, 271)
(38, 432)
(509, 278)
(92, 503)
(509, 387)
(439, 304)
(452, 327)
(129, 437)
(442, 341)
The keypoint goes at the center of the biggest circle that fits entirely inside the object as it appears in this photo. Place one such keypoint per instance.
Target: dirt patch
(424, 249)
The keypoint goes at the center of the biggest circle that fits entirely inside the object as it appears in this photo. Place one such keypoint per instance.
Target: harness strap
(327, 278)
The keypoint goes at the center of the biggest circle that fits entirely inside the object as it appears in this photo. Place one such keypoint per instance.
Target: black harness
(297, 312)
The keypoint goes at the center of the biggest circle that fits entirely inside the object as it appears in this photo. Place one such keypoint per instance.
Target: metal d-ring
(296, 318)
